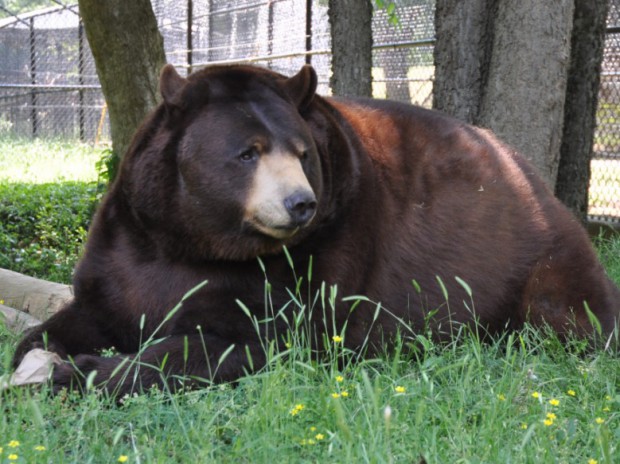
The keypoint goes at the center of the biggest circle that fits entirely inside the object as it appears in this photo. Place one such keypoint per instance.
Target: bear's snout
(281, 200)
(301, 206)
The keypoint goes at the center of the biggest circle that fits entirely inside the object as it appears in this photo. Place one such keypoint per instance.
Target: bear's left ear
(302, 86)
(171, 85)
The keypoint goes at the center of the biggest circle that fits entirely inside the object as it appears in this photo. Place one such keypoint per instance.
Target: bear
(242, 177)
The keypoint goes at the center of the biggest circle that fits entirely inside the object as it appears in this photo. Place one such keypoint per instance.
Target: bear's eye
(304, 155)
(251, 154)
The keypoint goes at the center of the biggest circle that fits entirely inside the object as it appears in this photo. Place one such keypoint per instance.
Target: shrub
(43, 227)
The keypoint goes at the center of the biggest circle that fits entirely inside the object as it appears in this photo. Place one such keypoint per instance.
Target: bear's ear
(171, 85)
(302, 86)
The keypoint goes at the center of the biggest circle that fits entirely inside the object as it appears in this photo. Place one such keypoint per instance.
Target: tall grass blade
(594, 322)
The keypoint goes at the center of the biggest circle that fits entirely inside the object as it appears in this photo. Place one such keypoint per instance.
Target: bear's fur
(239, 162)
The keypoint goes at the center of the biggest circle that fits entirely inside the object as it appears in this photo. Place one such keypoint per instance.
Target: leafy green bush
(43, 226)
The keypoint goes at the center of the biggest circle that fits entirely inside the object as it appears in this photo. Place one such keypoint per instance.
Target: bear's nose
(301, 206)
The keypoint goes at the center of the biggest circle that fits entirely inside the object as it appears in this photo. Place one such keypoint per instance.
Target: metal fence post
(190, 46)
(33, 80)
(308, 31)
(82, 116)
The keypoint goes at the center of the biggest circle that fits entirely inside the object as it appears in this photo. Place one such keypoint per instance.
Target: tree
(129, 53)
(587, 44)
(504, 65)
(351, 32)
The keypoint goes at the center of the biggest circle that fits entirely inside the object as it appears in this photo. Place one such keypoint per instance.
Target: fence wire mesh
(48, 82)
(604, 191)
(49, 86)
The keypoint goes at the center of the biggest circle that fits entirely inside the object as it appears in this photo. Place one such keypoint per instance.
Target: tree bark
(351, 32)
(587, 47)
(464, 32)
(129, 53)
(506, 65)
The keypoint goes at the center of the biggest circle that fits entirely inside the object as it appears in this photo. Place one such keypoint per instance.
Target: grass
(521, 398)
(44, 161)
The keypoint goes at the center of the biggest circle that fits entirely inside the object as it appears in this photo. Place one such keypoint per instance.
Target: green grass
(44, 161)
(464, 402)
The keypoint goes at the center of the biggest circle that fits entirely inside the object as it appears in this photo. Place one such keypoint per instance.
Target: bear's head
(228, 165)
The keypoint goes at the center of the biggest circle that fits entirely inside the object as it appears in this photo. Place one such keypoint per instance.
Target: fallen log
(35, 297)
(16, 320)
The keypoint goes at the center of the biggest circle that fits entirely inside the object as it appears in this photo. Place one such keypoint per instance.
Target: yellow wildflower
(606, 409)
(548, 422)
(554, 402)
(311, 442)
(400, 389)
(39, 448)
(13, 457)
(319, 436)
(536, 395)
(523, 426)
(592, 461)
(344, 393)
(501, 397)
(551, 416)
(571, 393)
(313, 429)
(288, 345)
(337, 338)
(599, 420)
(297, 409)
(339, 378)
(608, 397)
(122, 458)
(13, 444)
(335, 395)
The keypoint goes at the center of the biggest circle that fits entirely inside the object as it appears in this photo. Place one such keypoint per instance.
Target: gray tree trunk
(351, 32)
(506, 63)
(587, 44)
(129, 53)
(464, 31)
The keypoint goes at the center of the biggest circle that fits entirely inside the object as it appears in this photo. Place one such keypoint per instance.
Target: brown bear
(241, 175)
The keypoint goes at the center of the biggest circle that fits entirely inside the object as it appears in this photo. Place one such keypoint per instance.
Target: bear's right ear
(302, 86)
(171, 85)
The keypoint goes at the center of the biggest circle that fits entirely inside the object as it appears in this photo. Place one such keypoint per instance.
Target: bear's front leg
(172, 364)
(70, 331)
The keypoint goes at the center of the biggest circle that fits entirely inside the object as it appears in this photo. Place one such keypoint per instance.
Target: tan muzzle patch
(280, 200)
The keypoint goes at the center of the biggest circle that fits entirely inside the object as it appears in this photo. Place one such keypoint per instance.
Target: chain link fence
(604, 191)
(49, 86)
(48, 82)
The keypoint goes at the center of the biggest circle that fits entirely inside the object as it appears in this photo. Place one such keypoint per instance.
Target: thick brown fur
(396, 193)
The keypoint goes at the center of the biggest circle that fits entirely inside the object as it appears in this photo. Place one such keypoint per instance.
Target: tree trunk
(587, 44)
(351, 32)
(129, 53)
(506, 64)
(464, 32)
